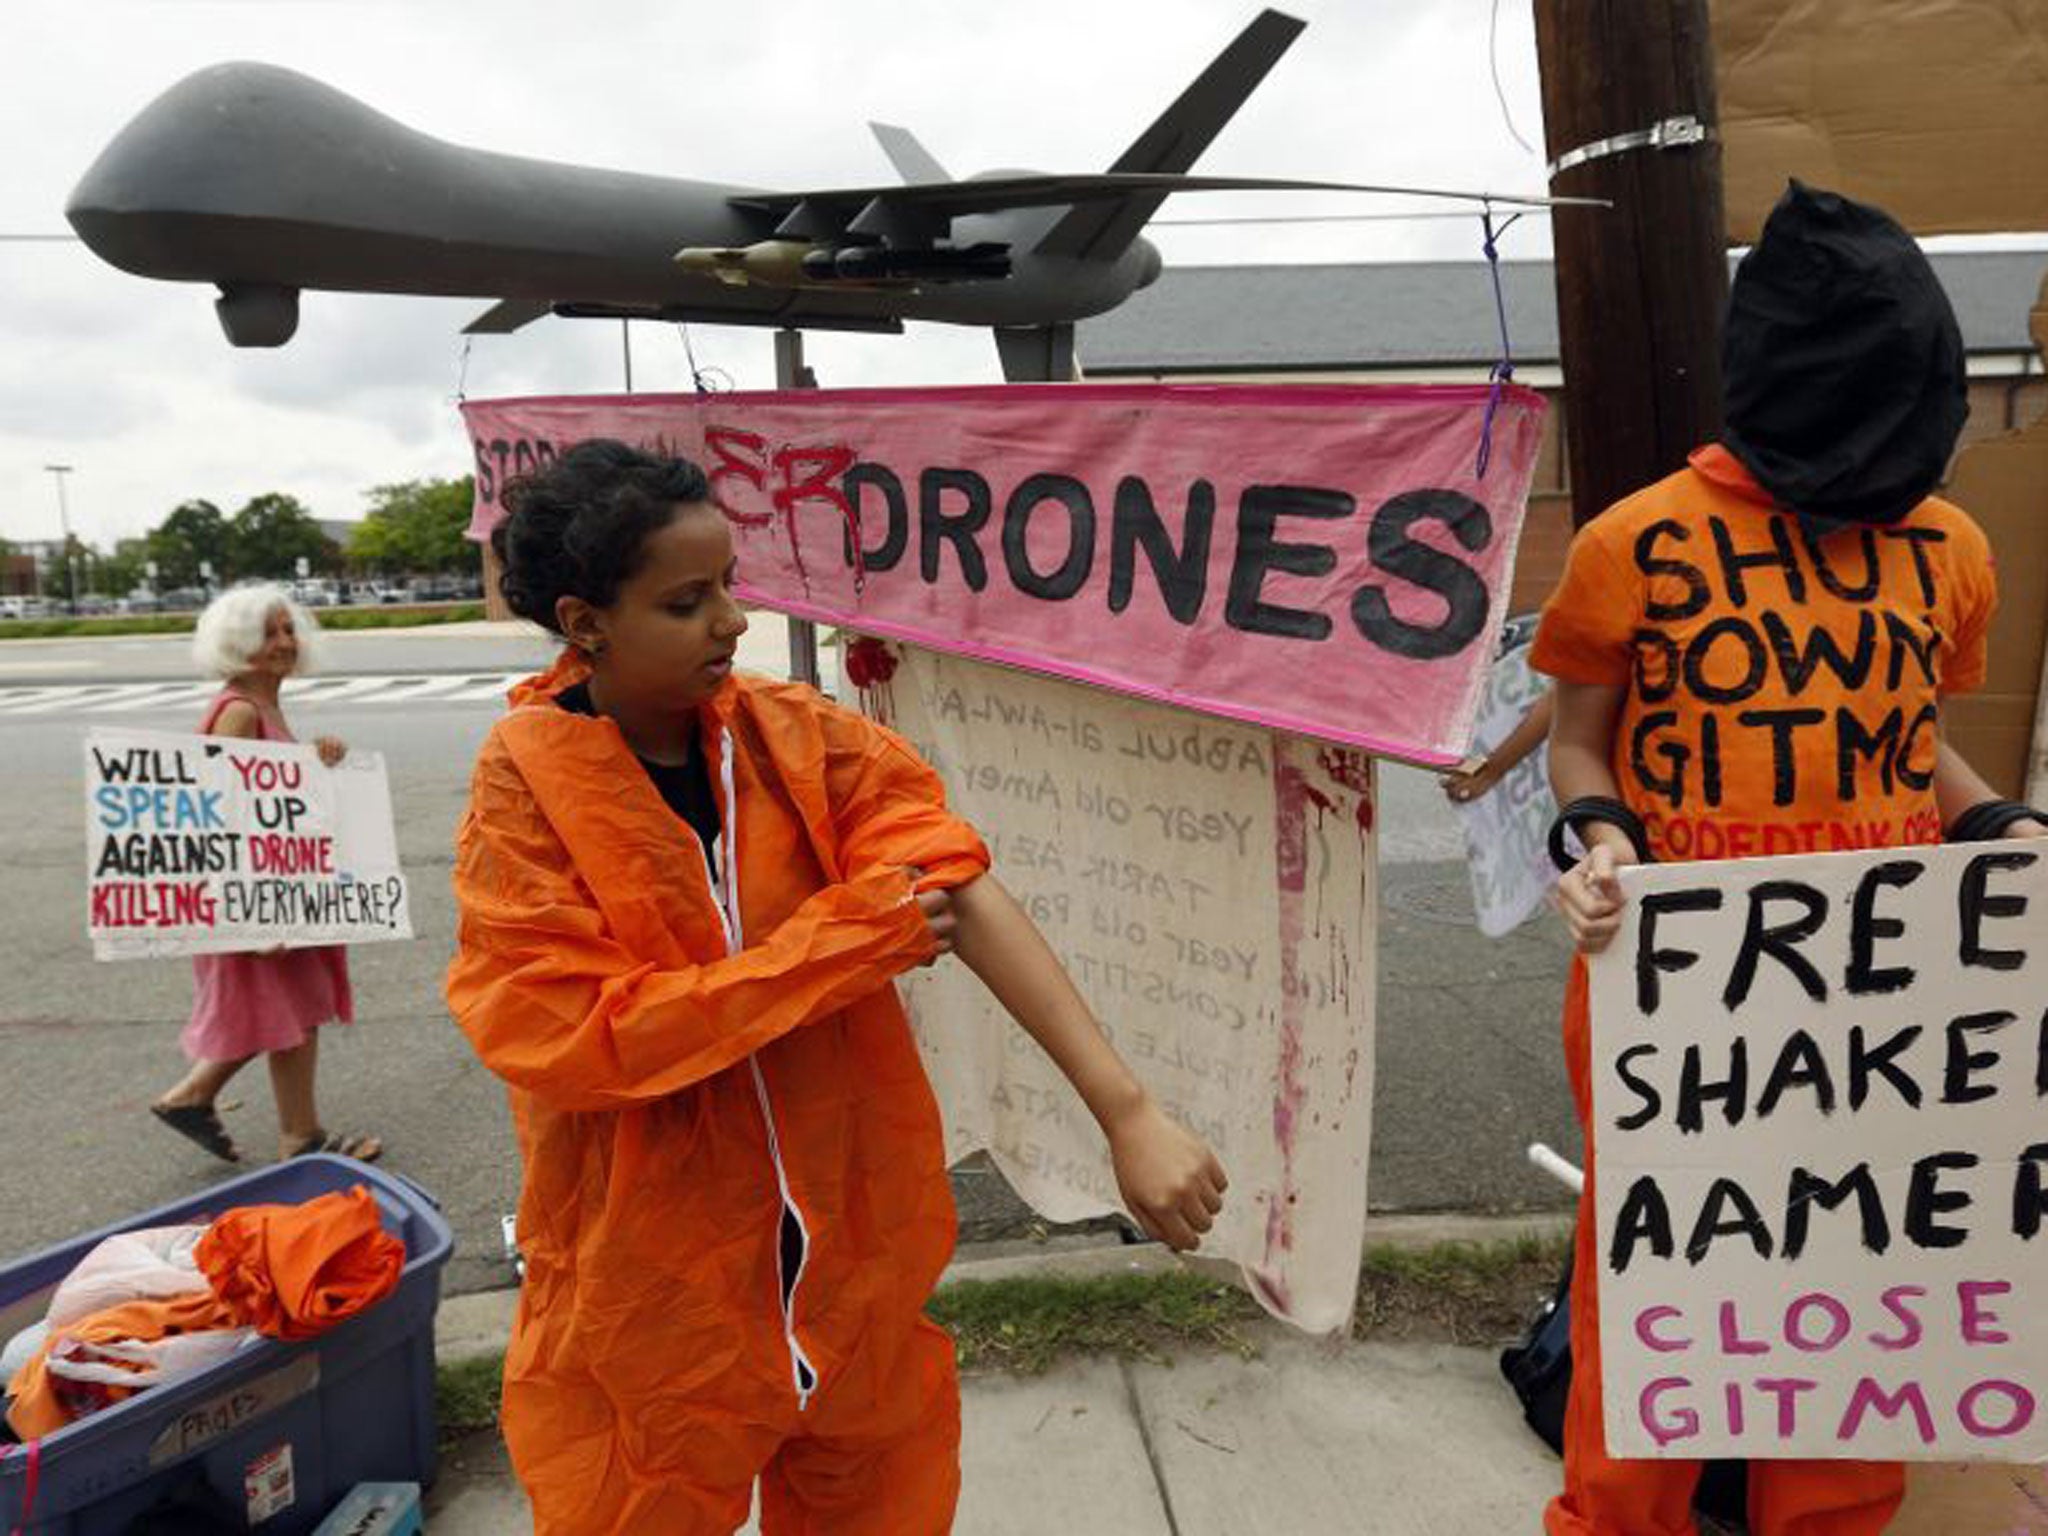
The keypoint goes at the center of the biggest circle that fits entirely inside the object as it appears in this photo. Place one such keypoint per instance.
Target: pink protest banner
(1323, 559)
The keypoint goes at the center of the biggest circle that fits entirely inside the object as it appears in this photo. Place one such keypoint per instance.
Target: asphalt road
(1468, 1068)
(139, 658)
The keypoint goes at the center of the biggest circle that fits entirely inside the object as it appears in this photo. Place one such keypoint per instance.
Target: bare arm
(1958, 786)
(1170, 1180)
(1582, 745)
(1470, 782)
(237, 718)
(1581, 739)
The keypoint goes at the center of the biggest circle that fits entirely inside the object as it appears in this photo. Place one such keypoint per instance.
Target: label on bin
(267, 1482)
(207, 1421)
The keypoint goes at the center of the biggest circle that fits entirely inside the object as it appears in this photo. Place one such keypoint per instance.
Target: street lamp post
(57, 473)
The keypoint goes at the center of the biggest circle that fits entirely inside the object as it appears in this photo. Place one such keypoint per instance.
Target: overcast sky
(131, 381)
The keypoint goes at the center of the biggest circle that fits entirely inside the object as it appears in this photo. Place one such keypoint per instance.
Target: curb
(479, 1323)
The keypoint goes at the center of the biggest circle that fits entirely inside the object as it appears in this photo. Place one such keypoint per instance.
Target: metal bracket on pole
(790, 373)
(1680, 132)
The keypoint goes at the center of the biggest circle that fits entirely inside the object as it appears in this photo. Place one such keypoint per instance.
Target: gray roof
(1431, 314)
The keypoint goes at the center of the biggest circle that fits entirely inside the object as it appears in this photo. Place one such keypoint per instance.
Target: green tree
(122, 571)
(272, 533)
(76, 561)
(416, 526)
(195, 531)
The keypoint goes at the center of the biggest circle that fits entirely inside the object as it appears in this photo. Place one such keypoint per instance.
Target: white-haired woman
(273, 1002)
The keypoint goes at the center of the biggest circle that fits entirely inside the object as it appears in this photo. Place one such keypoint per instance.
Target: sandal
(199, 1124)
(336, 1143)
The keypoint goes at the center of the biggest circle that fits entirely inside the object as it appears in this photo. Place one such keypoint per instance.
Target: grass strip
(1457, 1293)
(466, 1395)
(1460, 1293)
(181, 623)
(1024, 1324)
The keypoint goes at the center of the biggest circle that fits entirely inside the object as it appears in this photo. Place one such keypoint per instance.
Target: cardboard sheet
(1932, 109)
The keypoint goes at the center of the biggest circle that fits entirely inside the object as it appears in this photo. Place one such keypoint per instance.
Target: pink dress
(246, 1004)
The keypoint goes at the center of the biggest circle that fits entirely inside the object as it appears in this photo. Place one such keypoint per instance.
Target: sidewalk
(1306, 1438)
(1310, 1437)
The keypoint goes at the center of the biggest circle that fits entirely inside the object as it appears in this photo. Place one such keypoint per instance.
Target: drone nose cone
(240, 140)
(1149, 263)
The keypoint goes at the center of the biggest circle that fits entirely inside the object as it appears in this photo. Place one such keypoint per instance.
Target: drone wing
(830, 212)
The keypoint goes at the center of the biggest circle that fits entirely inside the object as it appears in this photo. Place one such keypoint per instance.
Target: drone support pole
(790, 373)
(1036, 354)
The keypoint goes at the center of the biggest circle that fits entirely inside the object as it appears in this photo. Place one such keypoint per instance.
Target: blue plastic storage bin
(272, 1438)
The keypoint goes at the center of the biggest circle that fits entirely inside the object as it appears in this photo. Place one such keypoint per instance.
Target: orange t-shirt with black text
(1782, 687)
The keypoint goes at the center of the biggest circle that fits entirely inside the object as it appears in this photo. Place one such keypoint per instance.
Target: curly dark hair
(577, 527)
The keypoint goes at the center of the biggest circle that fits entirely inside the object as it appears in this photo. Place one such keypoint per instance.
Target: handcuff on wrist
(1591, 809)
(1987, 820)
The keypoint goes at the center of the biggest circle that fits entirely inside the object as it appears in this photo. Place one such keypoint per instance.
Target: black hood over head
(1842, 364)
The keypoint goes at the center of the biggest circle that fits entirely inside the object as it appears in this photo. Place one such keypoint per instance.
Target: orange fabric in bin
(288, 1271)
(294, 1271)
(43, 1404)
(671, 1078)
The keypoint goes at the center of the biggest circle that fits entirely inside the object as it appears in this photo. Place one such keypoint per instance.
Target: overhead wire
(1499, 91)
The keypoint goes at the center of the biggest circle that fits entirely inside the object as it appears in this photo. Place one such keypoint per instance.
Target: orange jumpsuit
(690, 1069)
(1779, 695)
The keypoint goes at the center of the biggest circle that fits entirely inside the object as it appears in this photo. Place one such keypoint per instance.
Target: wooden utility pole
(1628, 87)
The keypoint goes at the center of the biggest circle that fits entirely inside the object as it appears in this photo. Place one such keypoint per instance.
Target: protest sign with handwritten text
(1210, 888)
(1822, 1159)
(208, 844)
(1507, 829)
(1320, 559)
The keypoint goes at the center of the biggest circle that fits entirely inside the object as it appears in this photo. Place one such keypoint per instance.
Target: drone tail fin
(914, 163)
(1103, 231)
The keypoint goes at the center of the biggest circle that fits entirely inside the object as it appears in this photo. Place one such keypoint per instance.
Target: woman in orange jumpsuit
(684, 894)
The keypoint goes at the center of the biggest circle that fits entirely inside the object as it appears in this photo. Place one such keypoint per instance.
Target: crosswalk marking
(77, 696)
(484, 689)
(155, 697)
(184, 695)
(56, 697)
(406, 689)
